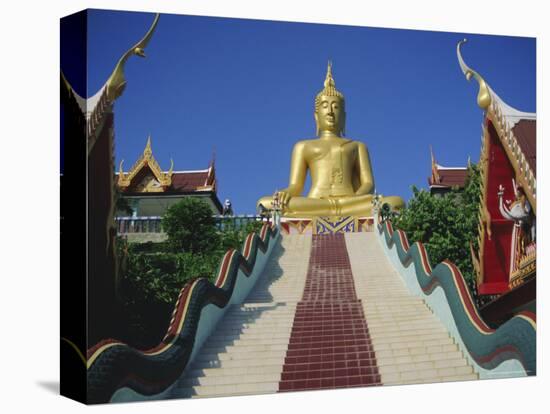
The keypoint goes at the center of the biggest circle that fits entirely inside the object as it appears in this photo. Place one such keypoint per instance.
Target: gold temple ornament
(158, 182)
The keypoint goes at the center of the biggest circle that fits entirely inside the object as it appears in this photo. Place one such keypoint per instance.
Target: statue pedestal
(326, 225)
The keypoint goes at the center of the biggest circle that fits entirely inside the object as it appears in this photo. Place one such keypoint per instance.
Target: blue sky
(245, 88)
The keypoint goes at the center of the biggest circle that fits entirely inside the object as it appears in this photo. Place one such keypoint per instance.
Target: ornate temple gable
(96, 107)
(515, 129)
(518, 138)
(507, 239)
(145, 175)
(446, 177)
(89, 121)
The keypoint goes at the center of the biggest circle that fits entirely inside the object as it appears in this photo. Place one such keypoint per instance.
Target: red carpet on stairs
(329, 343)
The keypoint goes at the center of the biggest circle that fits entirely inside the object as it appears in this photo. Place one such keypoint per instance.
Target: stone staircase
(329, 345)
(411, 344)
(245, 355)
(335, 315)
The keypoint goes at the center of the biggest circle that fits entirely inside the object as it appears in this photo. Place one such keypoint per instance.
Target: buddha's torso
(331, 162)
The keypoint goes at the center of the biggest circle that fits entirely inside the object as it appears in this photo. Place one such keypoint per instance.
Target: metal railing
(237, 222)
(152, 224)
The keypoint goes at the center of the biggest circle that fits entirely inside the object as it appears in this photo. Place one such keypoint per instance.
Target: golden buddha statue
(341, 175)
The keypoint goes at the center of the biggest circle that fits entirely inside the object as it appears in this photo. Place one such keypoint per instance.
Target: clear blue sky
(246, 89)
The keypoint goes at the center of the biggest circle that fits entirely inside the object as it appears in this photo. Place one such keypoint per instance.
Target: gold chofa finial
(329, 87)
(484, 94)
(117, 81)
(148, 151)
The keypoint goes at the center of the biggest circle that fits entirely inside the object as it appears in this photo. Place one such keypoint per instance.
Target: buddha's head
(330, 114)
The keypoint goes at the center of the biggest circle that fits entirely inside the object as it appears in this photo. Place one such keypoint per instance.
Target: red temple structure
(444, 179)
(505, 261)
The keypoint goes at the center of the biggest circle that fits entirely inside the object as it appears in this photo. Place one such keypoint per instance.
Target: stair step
(243, 313)
(412, 348)
(427, 365)
(235, 371)
(250, 335)
(431, 330)
(328, 373)
(240, 348)
(397, 341)
(223, 356)
(407, 358)
(265, 318)
(246, 341)
(230, 379)
(231, 389)
(435, 375)
(313, 359)
(402, 318)
(254, 311)
(329, 383)
(294, 345)
(464, 377)
(383, 330)
(237, 363)
(404, 309)
(254, 324)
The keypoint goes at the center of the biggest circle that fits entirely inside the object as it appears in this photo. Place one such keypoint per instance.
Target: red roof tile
(450, 178)
(526, 134)
(188, 181)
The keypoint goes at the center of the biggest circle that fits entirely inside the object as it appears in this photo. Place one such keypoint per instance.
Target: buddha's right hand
(284, 197)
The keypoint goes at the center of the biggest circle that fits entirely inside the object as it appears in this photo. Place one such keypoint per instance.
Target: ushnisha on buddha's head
(330, 114)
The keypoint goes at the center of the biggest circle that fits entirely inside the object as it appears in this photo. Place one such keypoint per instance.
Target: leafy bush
(150, 288)
(159, 277)
(155, 273)
(233, 238)
(190, 226)
(445, 224)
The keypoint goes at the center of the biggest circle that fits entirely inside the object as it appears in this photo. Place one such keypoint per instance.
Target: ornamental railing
(507, 351)
(237, 222)
(112, 364)
(152, 224)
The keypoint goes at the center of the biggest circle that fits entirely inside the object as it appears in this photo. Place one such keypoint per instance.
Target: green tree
(155, 272)
(233, 238)
(445, 224)
(190, 226)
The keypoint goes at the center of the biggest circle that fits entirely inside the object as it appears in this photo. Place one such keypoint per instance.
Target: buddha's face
(330, 115)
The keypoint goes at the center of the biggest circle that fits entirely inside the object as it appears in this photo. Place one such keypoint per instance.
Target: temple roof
(186, 181)
(146, 176)
(525, 131)
(446, 177)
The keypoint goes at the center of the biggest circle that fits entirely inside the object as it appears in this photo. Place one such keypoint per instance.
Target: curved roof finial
(117, 82)
(484, 94)
(171, 170)
(148, 151)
